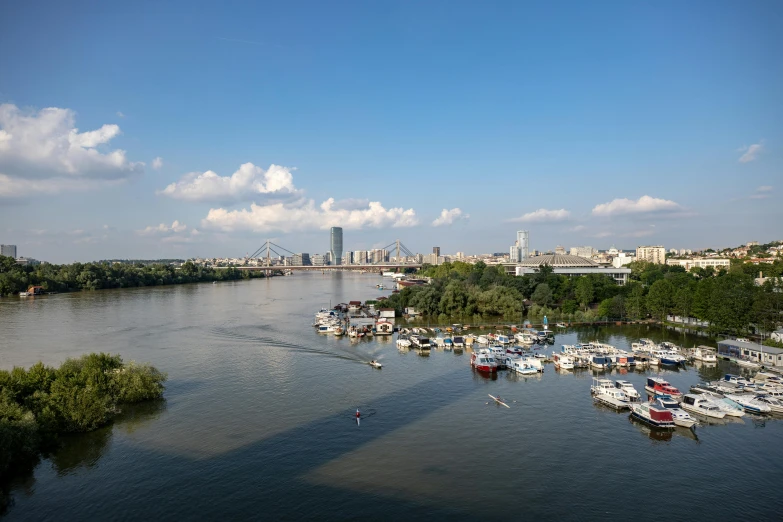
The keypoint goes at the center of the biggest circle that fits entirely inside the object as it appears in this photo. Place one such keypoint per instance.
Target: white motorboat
(680, 416)
(502, 339)
(630, 391)
(521, 366)
(704, 354)
(419, 341)
(525, 338)
(653, 415)
(563, 362)
(439, 341)
(702, 405)
(775, 404)
(747, 364)
(482, 339)
(604, 392)
(375, 364)
(727, 406)
(750, 404)
(403, 342)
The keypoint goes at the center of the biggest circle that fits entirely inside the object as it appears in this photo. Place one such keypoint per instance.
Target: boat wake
(235, 334)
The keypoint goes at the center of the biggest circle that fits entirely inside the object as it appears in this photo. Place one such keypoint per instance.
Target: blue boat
(599, 362)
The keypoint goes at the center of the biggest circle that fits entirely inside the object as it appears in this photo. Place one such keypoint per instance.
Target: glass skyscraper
(336, 245)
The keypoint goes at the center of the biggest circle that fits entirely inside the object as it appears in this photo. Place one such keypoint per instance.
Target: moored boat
(702, 406)
(483, 361)
(604, 392)
(750, 404)
(563, 362)
(630, 391)
(656, 385)
(652, 415)
(680, 416)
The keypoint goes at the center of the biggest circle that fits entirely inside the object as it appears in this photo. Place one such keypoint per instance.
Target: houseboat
(384, 327)
(419, 341)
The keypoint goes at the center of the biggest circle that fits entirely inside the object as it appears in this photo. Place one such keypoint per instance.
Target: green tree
(542, 295)
(584, 291)
(660, 299)
(636, 304)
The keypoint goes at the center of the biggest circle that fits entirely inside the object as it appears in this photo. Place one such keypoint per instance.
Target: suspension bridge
(265, 252)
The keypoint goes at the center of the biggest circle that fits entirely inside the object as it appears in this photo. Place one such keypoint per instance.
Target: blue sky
(587, 123)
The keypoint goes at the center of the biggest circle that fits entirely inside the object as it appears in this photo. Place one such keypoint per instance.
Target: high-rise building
(436, 251)
(336, 244)
(519, 251)
(652, 254)
(559, 250)
(302, 259)
(8, 250)
(318, 260)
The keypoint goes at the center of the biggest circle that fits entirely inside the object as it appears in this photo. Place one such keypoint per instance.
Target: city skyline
(598, 124)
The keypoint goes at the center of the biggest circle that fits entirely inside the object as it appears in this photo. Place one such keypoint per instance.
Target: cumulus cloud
(151, 230)
(157, 163)
(750, 152)
(643, 205)
(542, 215)
(447, 217)
(245, 184)
(305, 215)
(46, 145)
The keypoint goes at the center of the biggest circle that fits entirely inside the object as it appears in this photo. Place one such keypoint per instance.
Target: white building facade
(651, 254)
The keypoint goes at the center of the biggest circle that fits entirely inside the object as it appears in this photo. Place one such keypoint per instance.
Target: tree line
(40, 404)
(728, 300)
(15, 278)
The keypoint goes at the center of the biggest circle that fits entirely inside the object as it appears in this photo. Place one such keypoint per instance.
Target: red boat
(483, 361)
(652, 415)
(656, 385)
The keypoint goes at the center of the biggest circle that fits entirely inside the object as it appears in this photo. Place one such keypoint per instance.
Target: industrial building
(572, 266)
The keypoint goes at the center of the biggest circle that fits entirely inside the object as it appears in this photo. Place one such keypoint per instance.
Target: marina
(252, 383)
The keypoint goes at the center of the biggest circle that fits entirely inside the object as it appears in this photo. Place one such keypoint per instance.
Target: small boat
(727, 406)
(502, 339)
(747, 364)
(482, 339)
(448, 343)
(775, 404)
(560, 325)
(702, 405)
(630, 391)
(656, 385)
(599, 362)
(483, 362)
(376, 364)
(604, 392)
(525, 338)
(458, 341)
(403, 343)
(521, 366)
(563, 362)
(653, 415)
(680, 416)
(704, 354)
(338, 330)
(419, 341)
(750, 404)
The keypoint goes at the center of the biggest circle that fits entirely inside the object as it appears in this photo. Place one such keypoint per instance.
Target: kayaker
(357, 413)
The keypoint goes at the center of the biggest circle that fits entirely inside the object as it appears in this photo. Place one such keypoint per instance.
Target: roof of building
(558, 260)
(750, 346)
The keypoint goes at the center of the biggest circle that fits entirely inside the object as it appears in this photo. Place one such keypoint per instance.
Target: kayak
(375, 365)
(499, 401)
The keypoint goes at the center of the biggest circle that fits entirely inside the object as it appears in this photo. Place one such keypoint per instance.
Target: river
(258, 421)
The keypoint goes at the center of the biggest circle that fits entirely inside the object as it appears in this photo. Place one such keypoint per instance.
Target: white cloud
(543, 214)
(120, 114)
(245, 184)
(46, 145)
(750, 153)
(157, 163)
(643, 205)
(447, 217)
(304, 215)
(577, 228)
(151, 230)
(762, 192)
(15, 188)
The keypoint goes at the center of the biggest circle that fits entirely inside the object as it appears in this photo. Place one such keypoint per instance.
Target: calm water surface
(258, 422)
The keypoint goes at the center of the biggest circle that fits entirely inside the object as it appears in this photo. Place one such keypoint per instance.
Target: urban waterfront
(258, 421)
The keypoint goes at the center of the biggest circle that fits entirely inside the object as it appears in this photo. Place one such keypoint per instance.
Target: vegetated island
(15, 278)
(39, 405)
(727, 300)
